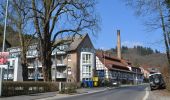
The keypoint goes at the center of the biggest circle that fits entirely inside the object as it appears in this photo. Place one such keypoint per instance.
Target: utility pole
(6, 14)
(3, 46)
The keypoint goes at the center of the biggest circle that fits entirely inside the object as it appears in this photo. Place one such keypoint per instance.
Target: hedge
(25, 88)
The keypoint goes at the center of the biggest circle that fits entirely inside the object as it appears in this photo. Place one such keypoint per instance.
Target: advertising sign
(3, 57)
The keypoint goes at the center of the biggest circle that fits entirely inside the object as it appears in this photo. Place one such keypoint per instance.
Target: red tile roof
(111, 62)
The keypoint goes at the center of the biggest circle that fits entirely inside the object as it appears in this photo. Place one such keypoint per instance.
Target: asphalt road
(123, 93)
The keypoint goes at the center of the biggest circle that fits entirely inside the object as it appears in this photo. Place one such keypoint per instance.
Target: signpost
(1, 80)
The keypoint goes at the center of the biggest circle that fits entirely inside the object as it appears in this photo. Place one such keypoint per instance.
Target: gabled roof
(73, 42)
(151, 68)
(111, 62)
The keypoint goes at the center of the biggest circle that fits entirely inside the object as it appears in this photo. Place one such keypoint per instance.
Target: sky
(115, 15)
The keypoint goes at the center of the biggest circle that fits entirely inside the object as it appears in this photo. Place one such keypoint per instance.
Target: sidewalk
(159, 95)
(51, 95)
(81, 91)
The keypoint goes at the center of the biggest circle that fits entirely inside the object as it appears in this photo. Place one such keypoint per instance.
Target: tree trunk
(165, 34)
(23, 54)
(24, 65)
(46, 59)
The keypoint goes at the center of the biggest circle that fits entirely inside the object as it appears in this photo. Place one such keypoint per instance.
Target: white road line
(146, 94)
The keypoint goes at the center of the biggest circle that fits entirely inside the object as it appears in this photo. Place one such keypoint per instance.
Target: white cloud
(132, 43)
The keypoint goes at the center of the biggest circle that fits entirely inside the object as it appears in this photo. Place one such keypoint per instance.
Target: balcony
(31, 76)
(10, 76)
(11, 67)
(61, 65)
(61, 75)
(61, 52)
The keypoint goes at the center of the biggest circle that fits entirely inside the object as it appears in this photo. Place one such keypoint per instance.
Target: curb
(80, 94)
(74, 95)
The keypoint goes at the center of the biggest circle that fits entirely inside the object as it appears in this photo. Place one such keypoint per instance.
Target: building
(149, 70)
(138, 75)
(72, 61)
(13, 71)
(75, 60)
(115, 69)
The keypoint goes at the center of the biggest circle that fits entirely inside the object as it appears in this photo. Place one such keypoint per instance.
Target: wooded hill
(140, 55)
(12, 36)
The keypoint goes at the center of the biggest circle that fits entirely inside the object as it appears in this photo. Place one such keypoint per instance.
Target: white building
(115, 69)
(13, 71)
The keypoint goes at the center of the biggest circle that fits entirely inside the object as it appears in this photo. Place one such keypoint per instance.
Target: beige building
(75, 60)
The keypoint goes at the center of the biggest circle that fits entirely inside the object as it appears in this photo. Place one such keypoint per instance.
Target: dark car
(156, 81)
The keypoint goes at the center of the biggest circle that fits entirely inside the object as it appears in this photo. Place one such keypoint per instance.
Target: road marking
(146, 94)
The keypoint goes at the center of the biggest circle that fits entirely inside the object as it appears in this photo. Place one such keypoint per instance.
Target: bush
(24, 88)
(69, 88)
(166, 75)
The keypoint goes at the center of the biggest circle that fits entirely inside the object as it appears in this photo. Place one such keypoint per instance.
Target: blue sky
(116, 15)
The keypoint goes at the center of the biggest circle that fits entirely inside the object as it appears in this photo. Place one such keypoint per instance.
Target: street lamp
(36, 69)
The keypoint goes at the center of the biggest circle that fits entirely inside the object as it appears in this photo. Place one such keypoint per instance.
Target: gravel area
(159, 95)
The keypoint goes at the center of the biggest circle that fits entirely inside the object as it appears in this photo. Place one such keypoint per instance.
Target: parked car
(156, 81)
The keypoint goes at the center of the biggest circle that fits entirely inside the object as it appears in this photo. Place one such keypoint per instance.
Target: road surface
(123, 93)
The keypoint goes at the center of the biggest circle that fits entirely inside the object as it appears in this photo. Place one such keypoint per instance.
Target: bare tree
(18, 20)
(155, 13)
(53, 18)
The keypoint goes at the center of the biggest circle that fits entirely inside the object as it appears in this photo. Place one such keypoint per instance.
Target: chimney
(118, 45)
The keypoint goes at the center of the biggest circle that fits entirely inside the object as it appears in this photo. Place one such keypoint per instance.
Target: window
(69, 70)
(13, 63)
(86, 58)
(86, 65)
(69, 57)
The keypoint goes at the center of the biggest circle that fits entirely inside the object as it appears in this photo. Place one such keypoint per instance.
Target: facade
(115, 69)
(73, 61)
(12, 71)
(149, 70)
(139, 76)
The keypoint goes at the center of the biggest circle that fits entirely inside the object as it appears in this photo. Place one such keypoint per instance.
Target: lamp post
(6, 14)
(36, 69)
(136, 77)
(55, 69)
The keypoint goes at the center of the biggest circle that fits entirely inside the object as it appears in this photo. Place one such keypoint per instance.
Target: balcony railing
(61, 75)
(61, 52)
(61, 65)
(10, 76)
(32, 76)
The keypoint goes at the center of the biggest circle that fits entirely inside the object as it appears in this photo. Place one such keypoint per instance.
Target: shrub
(166, 75)
(24, 88)
(69, 88)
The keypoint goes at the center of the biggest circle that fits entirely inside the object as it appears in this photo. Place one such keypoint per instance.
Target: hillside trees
(155, 13)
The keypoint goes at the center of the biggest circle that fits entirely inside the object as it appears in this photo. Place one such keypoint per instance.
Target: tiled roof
(73, 42)
(111, 62)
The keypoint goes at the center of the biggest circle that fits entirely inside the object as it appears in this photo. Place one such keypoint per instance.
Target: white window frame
(90, 63)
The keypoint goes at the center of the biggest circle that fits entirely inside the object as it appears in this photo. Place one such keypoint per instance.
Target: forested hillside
(12, 36)
(140, 55)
